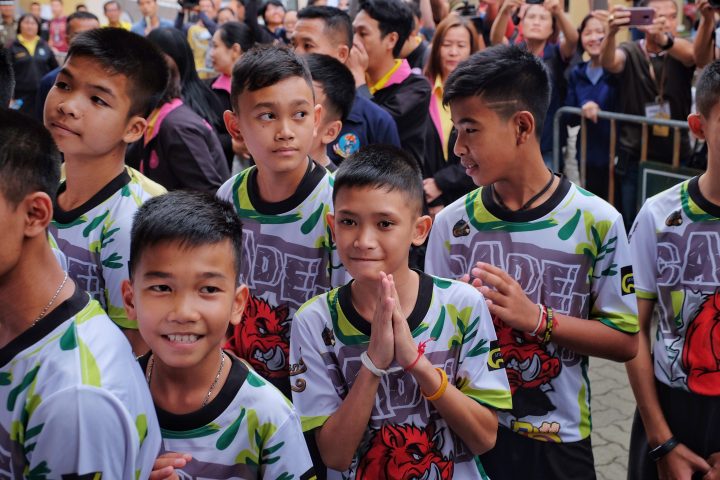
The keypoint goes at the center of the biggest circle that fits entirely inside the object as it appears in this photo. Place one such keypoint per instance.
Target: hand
(590, 111)
(357, 61)
(706, 10)
(165, 465)
(505, 298)
(619, 17)
(681, 463)
(406, 350)
(714, 472)
(602, 15)
(510, 6)
(656, 31)
(381, 349)
(431, 189)
(553, 6)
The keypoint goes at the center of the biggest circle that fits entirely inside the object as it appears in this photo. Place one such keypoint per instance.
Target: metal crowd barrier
(614, 117)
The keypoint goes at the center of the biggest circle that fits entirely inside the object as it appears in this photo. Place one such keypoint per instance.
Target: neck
(183, 390)
(28, 287)
(650, 45)
(26, 38)
(320, 156)
(536, 47)
(407, 284)
(377, 71)
(85, 177)
(709, 185)
(595, 61)
(114, 24)
(516, 190)
(276, 187)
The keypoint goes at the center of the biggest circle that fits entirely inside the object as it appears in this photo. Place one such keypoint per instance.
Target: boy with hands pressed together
(406, 384)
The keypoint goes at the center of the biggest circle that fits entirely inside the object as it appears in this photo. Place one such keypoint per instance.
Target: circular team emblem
(347, 145)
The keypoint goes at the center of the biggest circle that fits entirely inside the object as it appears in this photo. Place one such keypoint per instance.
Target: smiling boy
(110, 82)
(283, 201)
(183, 291)
(397, 373)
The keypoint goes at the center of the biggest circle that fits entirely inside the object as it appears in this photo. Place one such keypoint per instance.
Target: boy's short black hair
(191, 219)
(392, 16)
(510, 77)
(79, 16)
(707, 89)
(263, 66)
(381, 166)
(119, 51)
(29, 159)
(337, 81)
(337, 22)
(7, 78)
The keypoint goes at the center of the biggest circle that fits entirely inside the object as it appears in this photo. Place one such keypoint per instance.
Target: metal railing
(614, 117)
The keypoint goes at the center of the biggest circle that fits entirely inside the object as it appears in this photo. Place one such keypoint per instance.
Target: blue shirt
(366, 124)
(140, 26)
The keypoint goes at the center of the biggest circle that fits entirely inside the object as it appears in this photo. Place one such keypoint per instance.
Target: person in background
(230, 41)
(198, 24)
(81, 7)
(77, 23)
(113, 12)
(272, 13)
(180, 149)
(541, 27)
(56, 29)
(150, 20)
(8, 24)
(289, 23)
(225, 15)
(7, 78)
(416, 49)
(237, 6)
(455, 40)
(706, 34)
(36, 9)
(32, 59)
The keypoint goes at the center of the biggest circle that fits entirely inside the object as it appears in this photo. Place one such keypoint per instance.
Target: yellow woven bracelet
(441, 389)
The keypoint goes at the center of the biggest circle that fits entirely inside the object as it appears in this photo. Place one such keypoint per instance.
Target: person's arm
(427, 14)
(497, 32)
(681, 50)
(180, 20)
(613, 58)
(357, 63)
(568, 44)
(208, 22)
(704, 44)
(260, 34)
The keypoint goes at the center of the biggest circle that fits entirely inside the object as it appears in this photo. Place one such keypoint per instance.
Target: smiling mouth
(186, 339)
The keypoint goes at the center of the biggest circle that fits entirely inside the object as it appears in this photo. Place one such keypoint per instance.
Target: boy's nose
(286, 131)
(184, 311)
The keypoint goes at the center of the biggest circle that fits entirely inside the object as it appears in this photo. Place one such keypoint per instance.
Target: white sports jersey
(571, 254)
(406, 436)
(249, 431)
(75, 403)
(675, 243)
(95, 238)
(289, 257)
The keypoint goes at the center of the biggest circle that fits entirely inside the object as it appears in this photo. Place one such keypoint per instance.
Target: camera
(714, 3)
(470, 11)
(189, 4)
(534, 2)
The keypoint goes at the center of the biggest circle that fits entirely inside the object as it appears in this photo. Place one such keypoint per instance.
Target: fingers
(491, 276)
(165, 465)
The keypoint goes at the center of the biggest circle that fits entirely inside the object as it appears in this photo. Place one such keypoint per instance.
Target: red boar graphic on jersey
(529, 367)
(262, 338)
(404, 452)
(701, 352)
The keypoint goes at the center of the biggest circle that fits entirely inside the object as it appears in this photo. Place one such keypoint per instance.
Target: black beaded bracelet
(660, 451)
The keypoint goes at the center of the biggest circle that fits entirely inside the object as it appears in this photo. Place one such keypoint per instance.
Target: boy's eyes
(347, 221)
(61, 85)
(209, 289)
(159, 288)
(301, 114)
(385, 224)
(99, 101)
(266, 116)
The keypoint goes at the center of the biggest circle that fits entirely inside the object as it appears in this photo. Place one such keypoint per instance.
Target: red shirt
(56, 30)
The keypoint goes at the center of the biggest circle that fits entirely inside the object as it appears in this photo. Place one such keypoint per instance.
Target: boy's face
(183, 298)
(87, 110)
(277, 124)
(310, 37)
(374, 228)
(485, 140)
(367, 30)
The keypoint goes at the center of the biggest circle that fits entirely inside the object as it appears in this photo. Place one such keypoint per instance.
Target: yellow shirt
(125, 25)
(30, 45)
(385, 78)
(445, 118)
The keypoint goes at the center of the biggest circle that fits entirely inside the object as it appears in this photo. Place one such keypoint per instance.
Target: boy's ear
(331, 132)
(391, 40)
(422, 229)
(239, 302)
(231, 123)
(524, 127)
(38, 211)
(128, 296)
(135, 129)
(697, 127)
(318, 117)
(330, 218)
(343, 53)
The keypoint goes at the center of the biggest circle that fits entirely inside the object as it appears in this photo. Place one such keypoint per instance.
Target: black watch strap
(670, 42)
(660, 451)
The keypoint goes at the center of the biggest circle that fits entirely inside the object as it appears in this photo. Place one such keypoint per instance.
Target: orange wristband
(441, 389)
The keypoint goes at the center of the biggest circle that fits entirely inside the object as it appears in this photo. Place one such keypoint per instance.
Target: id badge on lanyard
(659, 110)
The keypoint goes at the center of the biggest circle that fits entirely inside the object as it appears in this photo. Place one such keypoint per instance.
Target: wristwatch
(670, 42)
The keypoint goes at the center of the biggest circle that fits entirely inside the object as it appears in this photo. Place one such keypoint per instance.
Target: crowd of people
(330, 243)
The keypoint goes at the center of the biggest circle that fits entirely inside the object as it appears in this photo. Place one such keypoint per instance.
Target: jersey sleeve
(643, 247)
(437, 257)
(612, 292)
(481, 374)
(285, 454)
(84, 432)
(313, 366)
(114, 247)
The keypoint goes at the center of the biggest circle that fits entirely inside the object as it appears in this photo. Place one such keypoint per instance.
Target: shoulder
(146, 187)
(458, 207)
(580, 199)
(227, 190)
(666, 200)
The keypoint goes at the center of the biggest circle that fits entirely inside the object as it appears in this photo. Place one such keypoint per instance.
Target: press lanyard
(663, 76)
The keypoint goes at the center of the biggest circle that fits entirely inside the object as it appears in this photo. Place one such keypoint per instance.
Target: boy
(397, 372)
(74, 403)
(674, 243)
(328, 30)
(335, 90)
(185, 257)
(567, 292)
(283, 201)
(110, 82)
